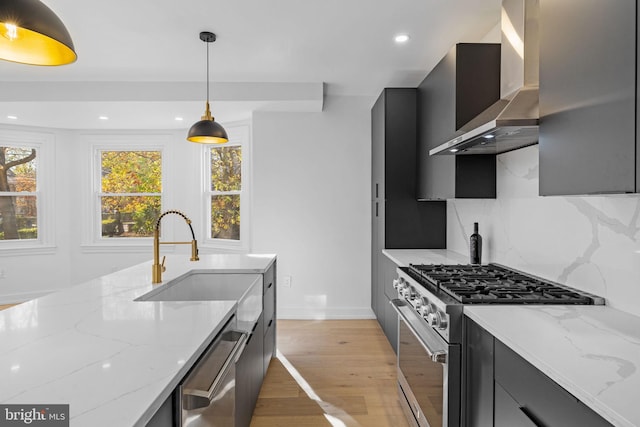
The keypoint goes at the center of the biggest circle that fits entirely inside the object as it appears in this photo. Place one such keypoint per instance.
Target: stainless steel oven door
(428, 371)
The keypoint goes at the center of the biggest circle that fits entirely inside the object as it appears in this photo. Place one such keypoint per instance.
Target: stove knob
(408, 293)
(437, 320)
(426, 308)
(442, 324)
(432, 319)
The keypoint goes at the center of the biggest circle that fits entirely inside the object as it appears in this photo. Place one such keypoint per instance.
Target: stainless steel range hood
(511, 122)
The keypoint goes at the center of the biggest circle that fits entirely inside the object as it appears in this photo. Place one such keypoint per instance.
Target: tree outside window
(226, 188)
(18, 197)
(130, 192)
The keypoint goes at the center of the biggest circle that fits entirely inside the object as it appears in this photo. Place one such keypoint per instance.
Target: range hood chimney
(511, 122)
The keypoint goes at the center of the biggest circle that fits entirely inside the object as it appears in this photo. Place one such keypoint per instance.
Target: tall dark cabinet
(462, 85)
(398, 220)
(588, 90)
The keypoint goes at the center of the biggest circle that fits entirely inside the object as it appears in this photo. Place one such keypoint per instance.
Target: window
(126, 193)
(26, 210)
(130, 196)
(18, 193)
(226, 191)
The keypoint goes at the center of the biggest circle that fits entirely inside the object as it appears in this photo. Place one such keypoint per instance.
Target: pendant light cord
(208, 71)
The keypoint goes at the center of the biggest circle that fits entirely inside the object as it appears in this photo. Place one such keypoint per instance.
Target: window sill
(97, 248)
(23, 250)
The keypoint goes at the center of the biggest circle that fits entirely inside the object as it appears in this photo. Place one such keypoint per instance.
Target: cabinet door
(415, 225)
(164, 416)
(478, 375)
(543, 399)
(508, 412)
(462, 85)
(249, 376)
(587, 97)
(269, 344)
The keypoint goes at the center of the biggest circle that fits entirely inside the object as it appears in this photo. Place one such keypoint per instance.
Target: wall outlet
(2, 273)
(286, 281)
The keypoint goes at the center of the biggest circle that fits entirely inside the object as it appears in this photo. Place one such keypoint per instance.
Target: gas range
(495, 284)
(430, 347)
(437, 292)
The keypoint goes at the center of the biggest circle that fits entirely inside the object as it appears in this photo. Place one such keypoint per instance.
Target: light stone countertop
(112, 359)
(591, 351)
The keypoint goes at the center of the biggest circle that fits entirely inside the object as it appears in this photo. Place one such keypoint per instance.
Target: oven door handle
(435, 346)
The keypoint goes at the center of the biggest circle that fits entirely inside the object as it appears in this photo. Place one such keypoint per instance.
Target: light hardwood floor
(335, 373)
(4, 306)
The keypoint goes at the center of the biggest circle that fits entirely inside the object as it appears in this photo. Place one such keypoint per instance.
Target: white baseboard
(305, 313)
(23, 296)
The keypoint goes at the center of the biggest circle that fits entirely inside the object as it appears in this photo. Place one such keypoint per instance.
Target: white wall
(311, 206)
(591, 243)
(311, 174)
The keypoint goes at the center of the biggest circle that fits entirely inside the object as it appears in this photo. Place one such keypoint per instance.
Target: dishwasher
(207, 394)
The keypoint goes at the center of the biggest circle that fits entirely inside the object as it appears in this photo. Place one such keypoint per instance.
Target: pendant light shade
(207, 131)
(30, 33)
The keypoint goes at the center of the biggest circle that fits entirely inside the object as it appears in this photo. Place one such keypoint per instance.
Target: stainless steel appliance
(511, 122)
(430, 342)
(207, 395)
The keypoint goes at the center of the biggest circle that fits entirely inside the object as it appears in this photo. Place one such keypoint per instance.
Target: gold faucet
(157, 267)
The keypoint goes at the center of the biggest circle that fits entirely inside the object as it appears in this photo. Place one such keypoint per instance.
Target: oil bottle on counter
(475, 246)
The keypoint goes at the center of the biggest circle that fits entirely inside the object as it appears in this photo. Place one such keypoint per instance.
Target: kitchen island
(112, 359)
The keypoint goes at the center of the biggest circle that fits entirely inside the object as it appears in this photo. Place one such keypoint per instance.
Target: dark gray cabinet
(252, 366)
(503, 390)
(588, 91)
(477, 376)
(388, 318)
(269, 314)
(166, 415)
(249, 375)
(462, 85)
(398, 220)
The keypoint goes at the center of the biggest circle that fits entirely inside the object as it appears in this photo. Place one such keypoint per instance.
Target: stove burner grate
(493, 284)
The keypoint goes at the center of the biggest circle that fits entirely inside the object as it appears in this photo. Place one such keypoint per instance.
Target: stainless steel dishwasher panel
(207, 395)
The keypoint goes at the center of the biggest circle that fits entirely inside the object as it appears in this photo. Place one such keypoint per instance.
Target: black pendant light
(207, 131)
(30, 33)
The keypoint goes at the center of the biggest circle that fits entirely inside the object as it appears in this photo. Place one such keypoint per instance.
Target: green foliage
(131, 172)
(225, 217)
(226, 177)
(24, 233)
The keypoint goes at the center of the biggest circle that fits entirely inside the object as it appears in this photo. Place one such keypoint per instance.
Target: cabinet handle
(254, 327)
(376, 208)
(249, 339)
(376, 190)
(530, 417)
(270, 285)
(270, 322)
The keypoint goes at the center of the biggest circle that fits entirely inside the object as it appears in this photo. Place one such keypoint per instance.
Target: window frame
(239, 135)
(44, 143)
(93, 241)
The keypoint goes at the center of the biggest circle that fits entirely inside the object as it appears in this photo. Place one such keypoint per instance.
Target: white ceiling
(345, 44)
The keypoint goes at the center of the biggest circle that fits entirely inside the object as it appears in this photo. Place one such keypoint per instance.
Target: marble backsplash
(589, 242)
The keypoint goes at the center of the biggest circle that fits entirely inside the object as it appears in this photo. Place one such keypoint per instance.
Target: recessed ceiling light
(103, 118)
(179, 119)
(401, 38)
(12, 117)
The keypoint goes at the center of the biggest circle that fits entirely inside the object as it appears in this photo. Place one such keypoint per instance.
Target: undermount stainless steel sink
(199, 286)
(245, 288)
